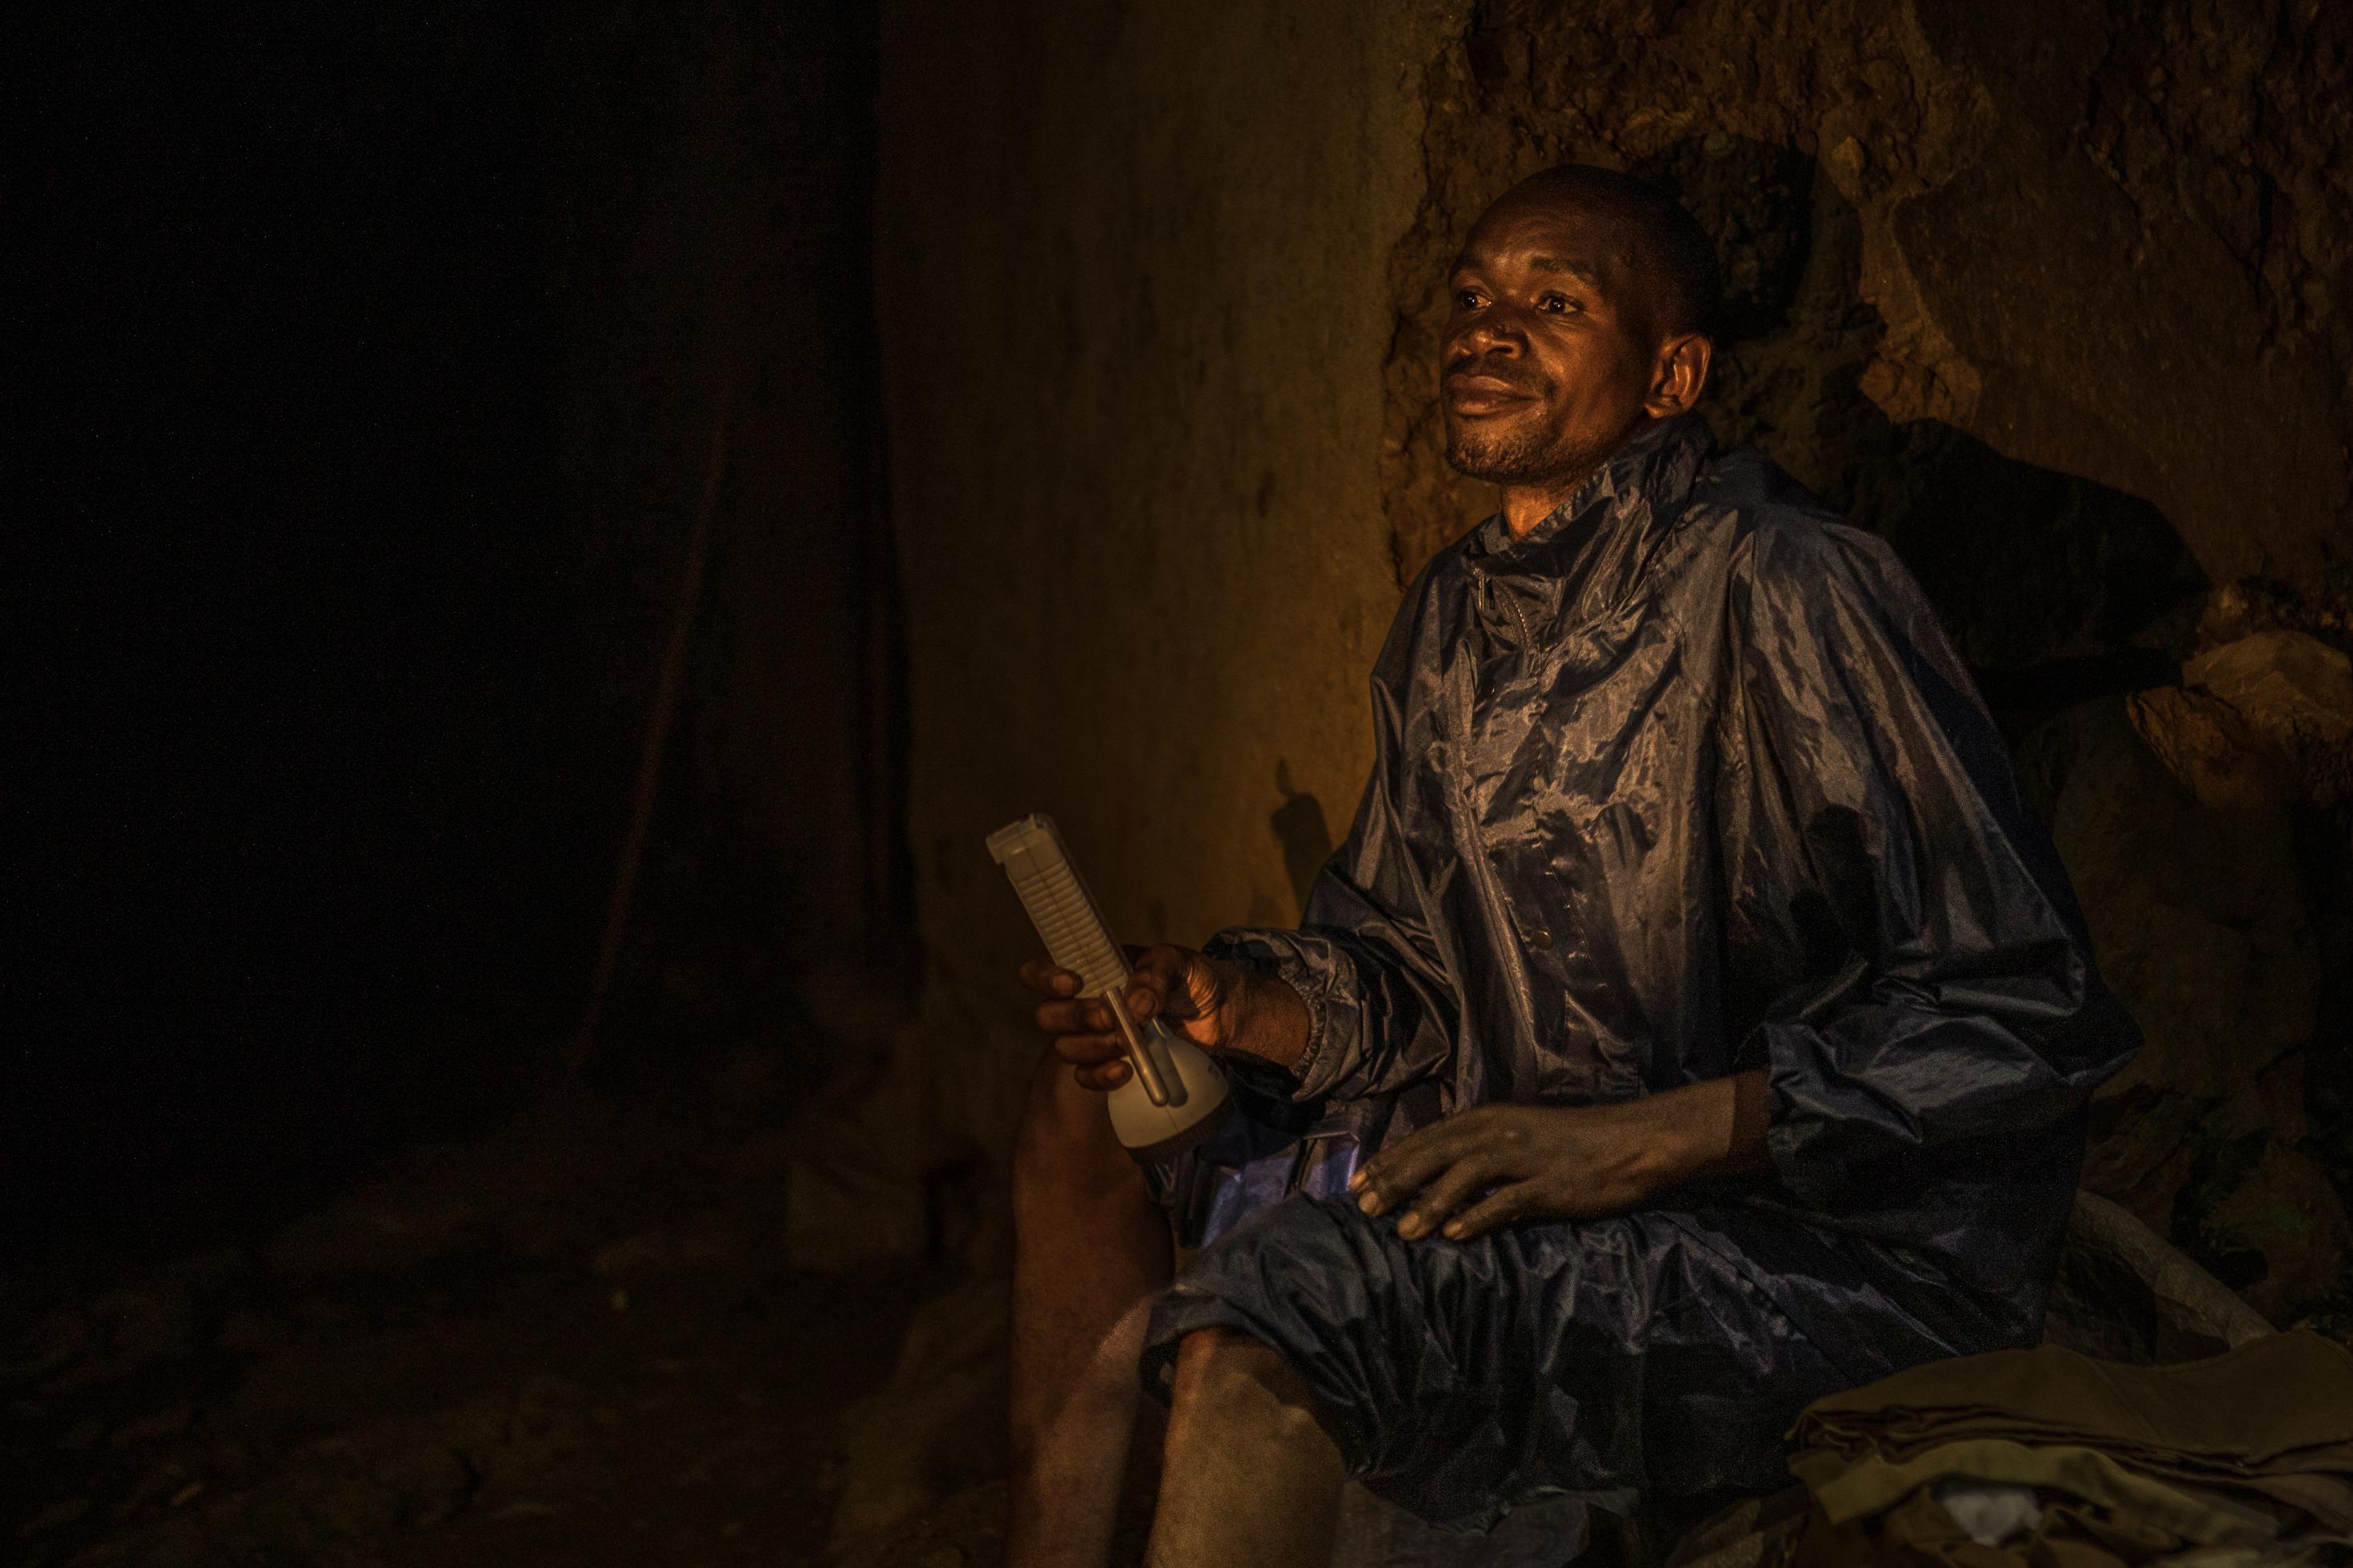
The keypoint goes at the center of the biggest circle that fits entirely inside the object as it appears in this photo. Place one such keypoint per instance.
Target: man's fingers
(1401, 1170)
(1501, 1207)
(1453, 1187)
(1076, 1015)
(1043, 974)
(1157, 981)
(1144, 996)
(1107, 1077)
(1083, 1050)
(1163, 960)
(1084, 1034)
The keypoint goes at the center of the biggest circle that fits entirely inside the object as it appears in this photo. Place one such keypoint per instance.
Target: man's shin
(1090, 1249)
(1250, 1475)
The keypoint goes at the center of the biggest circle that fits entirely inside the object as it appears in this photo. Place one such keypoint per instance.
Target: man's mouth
(1473, 394)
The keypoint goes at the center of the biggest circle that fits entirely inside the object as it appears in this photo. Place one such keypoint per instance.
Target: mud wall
(2050, 296)
(1135, 315)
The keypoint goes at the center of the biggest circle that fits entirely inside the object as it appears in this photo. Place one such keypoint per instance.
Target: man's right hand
(1202, 998)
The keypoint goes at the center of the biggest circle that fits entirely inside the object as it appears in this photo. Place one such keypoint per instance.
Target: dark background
(363, 361)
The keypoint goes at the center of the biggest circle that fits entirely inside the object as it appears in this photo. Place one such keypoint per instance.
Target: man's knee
(1066, 1150)
(1226, 1376)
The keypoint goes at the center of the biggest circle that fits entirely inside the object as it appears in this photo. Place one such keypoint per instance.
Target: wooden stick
(673, 671)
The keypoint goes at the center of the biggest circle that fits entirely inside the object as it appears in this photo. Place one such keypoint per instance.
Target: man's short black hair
(1668, 240)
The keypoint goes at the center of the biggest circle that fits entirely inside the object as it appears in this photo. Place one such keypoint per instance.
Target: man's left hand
(1511, 1165)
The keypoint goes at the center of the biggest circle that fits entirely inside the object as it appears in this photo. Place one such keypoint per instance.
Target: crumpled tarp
(2253, 1448)
(1684, 782)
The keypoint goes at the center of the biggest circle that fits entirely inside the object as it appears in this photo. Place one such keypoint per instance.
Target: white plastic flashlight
(1175, 1097)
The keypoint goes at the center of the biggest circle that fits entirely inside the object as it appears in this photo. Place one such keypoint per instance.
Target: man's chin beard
(1524, 458)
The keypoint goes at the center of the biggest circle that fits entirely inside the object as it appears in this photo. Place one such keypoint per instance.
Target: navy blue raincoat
(1684, 782)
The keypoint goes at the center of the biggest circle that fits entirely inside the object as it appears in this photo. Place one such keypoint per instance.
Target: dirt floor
(571, 1340)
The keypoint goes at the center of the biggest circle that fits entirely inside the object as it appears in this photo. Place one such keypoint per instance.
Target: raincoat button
(1541, 941)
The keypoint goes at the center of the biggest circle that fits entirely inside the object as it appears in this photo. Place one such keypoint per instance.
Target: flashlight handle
(1140, 1053)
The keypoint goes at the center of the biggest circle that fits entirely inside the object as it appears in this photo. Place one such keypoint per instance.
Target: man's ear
(1679, 375)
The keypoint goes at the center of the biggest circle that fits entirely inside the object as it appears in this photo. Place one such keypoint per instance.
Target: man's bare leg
(1091, 1248)
(1250, 1475)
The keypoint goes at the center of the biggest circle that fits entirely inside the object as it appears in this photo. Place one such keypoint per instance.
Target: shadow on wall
(2181, 742)
(1307, 837)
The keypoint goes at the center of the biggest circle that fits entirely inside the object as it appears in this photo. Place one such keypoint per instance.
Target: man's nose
(1498, 330)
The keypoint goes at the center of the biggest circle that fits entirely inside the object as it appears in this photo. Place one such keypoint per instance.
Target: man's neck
(1525, 506)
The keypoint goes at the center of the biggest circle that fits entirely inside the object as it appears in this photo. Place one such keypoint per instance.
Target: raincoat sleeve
(1890, 846)
(1380, 998)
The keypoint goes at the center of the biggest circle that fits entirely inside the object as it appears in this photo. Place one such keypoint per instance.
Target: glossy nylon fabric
(1685, 781)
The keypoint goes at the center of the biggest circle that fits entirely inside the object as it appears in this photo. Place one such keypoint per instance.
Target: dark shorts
(1607, 1359)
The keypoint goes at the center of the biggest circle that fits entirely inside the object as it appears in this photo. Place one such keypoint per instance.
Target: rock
(965, 1528)
(434, 1482)
(2284, 1211)
(114, 1335)
(2296, 692)
(179, 1543)
(2137, 1133)
(848, 1207)
(1756, 200)
(2209, 746)
(857, 1188)
(758, 1159)
(526, 1509)
(2179, 831)
(2190, 883)
(937, 1425)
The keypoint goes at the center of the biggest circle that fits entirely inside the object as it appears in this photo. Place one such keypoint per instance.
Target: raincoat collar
(1586, 558)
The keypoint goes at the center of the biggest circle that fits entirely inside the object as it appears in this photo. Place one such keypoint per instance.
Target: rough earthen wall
(2106, 239)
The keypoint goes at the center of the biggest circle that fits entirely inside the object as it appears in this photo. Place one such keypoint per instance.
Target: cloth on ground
(1853, 1486)
(1922, 1532)
(1988, 1514)
(2272, 1418)
(2246, 1452)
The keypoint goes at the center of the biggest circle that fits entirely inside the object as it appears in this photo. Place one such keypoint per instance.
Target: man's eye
(1558, 304)
(1466, 299)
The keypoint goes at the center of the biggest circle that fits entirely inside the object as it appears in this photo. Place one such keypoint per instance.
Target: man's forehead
(1547, 233)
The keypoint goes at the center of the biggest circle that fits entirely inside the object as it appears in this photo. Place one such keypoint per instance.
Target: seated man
(1722, 1018)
